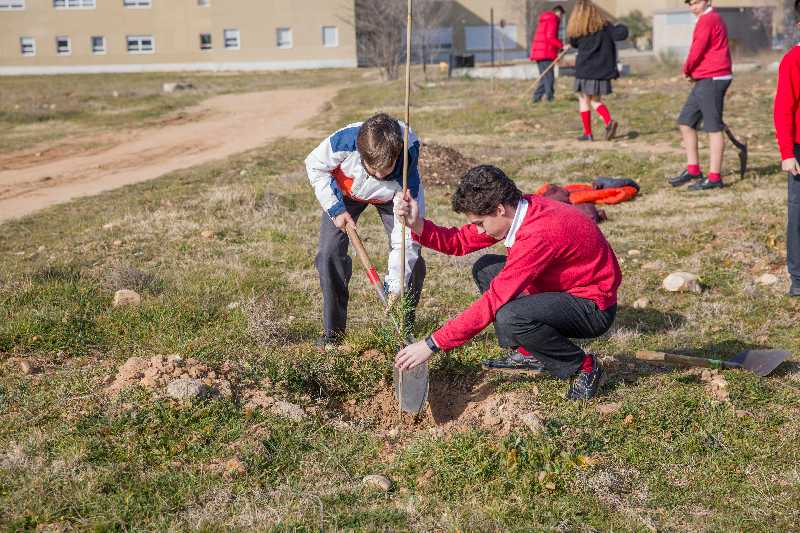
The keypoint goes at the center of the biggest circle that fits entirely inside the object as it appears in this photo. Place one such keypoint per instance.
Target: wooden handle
(359, 246)
(685, 360)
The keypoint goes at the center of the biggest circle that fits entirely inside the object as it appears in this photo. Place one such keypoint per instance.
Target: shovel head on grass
(411, 388)
(760, 362)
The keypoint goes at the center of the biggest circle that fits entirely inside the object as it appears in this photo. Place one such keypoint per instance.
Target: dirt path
(215, 129)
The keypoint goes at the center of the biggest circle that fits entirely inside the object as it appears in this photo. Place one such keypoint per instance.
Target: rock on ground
(682, 282)
(378, 482)
(533, 422)
(608, 408)
(767, 279)
(187, 389)
(641, 303)
(126, 297)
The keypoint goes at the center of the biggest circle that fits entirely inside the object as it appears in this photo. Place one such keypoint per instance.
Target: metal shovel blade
(413, 393)
(761, 362)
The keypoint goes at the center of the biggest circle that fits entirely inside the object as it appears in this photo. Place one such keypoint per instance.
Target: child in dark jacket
(594, 38)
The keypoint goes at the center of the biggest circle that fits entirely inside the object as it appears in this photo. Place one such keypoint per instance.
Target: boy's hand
(412, 355)
(342, 220)
(408, 209)
(791, 166)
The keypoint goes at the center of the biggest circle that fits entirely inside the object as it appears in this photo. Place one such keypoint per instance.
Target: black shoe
(536, 100)
(611, 130)
(586, 384)
(684, 177)
(705, 185)
(329, 340)
(586, 137)
(514, 360)
(794, 290)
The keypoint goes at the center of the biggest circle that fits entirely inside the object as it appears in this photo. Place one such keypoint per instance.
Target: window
(141, 44)
(284, 37)
(480, 37)
(203, 3)
(330, 36)
(205, 41)
(12, 4)
(232, 39)
(27, 46)
(73, 4)
(137, 3)
(98, 44)
(63, 46)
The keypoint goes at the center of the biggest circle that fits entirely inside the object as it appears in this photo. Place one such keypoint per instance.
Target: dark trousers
(335, 266)
(546, 87)
(543, 323)
(793, 226)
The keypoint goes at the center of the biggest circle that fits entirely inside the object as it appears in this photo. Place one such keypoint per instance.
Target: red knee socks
(602, 110)
(586, 118)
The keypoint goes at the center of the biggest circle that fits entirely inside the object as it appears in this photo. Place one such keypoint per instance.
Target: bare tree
(430, 17)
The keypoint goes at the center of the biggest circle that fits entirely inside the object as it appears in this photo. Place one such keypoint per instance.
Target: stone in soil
(682, 282)
(183, 389)
(126, 298)
(378, 482)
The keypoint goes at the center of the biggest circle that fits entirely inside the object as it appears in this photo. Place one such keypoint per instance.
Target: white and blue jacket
(335, 171)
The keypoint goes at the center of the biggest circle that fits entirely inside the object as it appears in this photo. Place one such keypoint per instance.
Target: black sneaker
(794, 290)
(683, 178)
(586, 137)
(586, 384)
(705, 185)
(328, 341)
(514, 361)
(611, 130)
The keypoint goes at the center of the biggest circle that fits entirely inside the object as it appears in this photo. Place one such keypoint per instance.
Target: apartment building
(95, 36)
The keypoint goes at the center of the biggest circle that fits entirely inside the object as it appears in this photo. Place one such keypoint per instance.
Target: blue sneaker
(586, 384)
(514, 361)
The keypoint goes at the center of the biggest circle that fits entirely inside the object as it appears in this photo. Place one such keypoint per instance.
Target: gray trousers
(546, 87)
(335, 267)
(793, 226)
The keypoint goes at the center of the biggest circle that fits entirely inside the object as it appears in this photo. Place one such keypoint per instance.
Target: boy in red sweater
(708, 67)
(787, 129)
(545, 47)
(558, 281)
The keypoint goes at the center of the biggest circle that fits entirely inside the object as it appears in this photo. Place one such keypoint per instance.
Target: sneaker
(328, 341)
(514, 361)
(684, 177)
(706, 185)
(611, 130)
(794, 290)
(586, 137)
(586, 384)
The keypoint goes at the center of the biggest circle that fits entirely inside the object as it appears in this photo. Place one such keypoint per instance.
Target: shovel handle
(372, 273)
(684, 360)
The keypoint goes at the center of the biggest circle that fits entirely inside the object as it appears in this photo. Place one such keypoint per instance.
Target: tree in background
(640, 28)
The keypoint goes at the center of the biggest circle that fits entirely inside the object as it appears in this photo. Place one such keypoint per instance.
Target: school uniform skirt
(593, 87)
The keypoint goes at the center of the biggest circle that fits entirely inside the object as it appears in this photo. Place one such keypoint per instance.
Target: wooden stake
(405, 190)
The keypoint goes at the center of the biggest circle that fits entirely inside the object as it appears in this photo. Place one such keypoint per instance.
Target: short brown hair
(482, 189)
(380, 141)
(585, 19)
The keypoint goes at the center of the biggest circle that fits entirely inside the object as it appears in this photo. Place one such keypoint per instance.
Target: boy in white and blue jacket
(358, 165)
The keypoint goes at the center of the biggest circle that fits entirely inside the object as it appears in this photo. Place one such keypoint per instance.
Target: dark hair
(380, 141)
(558, 9)
(482, 189)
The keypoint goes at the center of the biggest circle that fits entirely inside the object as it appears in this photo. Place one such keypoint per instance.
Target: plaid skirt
(593, 87)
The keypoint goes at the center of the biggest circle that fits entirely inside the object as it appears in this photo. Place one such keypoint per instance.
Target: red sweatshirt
(545, 43)
(786, 113)
(553, 248)
(709, 56)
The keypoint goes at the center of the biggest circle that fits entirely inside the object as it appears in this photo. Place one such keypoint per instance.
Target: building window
(73, 4)
(12, 4)
(27, 46)
(330, 36)
(63, 46)
(203, 3)
(141, 44)
(205, 41)
(98, 44)
(137, 3)
(284, 37)
(232, 41)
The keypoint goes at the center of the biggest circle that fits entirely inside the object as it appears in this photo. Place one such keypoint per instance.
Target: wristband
(432, 344)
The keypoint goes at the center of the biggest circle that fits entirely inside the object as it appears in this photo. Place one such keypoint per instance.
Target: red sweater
(786, 113)
(557, 249)
(545, 43)
(709, 56)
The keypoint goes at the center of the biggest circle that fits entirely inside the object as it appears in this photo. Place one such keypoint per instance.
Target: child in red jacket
(708, 67)
(558, 281)
(787, 129)
(545, 48)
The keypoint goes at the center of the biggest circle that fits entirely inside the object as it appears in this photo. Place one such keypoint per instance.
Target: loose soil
(443, 166)
(219, 127)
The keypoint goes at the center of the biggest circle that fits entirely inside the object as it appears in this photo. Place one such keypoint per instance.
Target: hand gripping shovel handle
(684, 360)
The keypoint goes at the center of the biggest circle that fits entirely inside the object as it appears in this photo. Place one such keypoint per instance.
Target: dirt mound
(453, 406)
(157, 372)
(441, 165)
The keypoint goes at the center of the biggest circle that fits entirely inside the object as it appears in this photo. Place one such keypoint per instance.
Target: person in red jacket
(708, 67)
(787, 129)
(558, 281)
(545, 48)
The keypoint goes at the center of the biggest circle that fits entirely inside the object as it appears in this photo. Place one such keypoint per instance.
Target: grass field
(669, 456)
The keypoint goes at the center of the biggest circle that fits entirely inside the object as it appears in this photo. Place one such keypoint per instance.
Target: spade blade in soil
(761, 362)
(414, 392)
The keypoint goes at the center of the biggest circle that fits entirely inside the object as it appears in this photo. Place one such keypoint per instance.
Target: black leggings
(543, 323)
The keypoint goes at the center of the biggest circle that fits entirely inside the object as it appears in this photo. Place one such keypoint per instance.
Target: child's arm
(619, 32)
(412, 247)
(453, 241)
(700, 42)
(785, 108)
(320, 164)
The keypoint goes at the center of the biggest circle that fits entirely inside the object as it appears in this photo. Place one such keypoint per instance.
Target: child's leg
(690, 145)
(793, 228)
(716, 144)
(689, 120)
(585, 110)
(601, 109)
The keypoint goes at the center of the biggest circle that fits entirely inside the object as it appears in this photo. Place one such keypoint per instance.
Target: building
(74, 36)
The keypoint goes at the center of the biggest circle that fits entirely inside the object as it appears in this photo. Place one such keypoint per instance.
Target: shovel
(410, 386)
(760, 362)
(742, 147)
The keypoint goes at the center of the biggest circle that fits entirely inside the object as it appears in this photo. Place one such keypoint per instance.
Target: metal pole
(491, 31)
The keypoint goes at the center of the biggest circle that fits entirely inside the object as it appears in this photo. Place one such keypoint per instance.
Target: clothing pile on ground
(584, 196)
